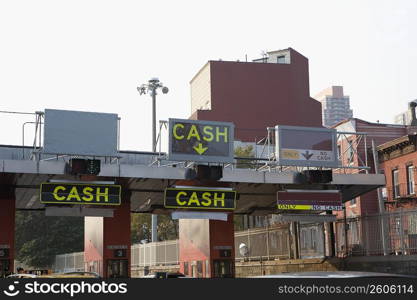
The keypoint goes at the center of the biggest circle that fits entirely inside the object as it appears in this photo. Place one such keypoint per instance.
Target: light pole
(151, 87)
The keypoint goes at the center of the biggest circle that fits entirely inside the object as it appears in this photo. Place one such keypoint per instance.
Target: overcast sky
(91, 55)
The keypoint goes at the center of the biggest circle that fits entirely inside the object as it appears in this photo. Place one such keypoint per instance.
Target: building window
(395, 184)
(410, 180)
(281, 59)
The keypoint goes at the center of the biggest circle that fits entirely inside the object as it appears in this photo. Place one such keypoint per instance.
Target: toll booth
(107, 242)
(207, 248)
(7, 224)
(206, 228)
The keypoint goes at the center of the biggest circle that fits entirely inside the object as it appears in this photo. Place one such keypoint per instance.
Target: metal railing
(155, 254)
(71, 262)
(263, 158)
(364, 234)
(351, 151)
(264, 243)
(267, 243)
(273, 242)
(361, 236)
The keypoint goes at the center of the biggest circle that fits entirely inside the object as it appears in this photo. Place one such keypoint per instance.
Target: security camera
(165, 90)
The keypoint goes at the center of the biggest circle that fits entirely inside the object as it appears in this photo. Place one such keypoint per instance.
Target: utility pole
(151, 87)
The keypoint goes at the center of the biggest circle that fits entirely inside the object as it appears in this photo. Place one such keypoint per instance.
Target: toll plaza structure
(76, 171)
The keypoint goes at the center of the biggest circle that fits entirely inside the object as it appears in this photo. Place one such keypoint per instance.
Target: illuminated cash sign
(202, 141)
(192, 198)
(80, 193)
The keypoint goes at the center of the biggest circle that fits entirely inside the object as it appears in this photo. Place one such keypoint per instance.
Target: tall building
(255, 95)
(404, 118)
(335, 106)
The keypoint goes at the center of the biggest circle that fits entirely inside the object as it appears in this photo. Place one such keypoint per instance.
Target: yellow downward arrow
(200, 149)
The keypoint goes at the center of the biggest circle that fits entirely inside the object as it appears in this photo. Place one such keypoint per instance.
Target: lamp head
(154, 80)
(141, 89)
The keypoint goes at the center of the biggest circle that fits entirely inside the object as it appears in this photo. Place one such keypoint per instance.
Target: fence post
(249, 247)
(345, 228)
(366, 236)
(289, 241)
(267, 240)
(165, 247)
(401, 232)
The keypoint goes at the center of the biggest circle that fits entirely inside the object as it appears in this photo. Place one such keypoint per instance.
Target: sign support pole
(154, 217)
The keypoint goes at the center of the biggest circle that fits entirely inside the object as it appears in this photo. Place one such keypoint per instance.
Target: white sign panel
(306, 146)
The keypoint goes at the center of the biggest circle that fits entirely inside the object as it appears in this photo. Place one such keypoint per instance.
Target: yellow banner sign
(290, 154)
(295, 207)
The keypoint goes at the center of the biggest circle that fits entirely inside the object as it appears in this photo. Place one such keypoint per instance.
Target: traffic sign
(306, 146)
(201, 141)
(200, 198)
(309, 200)
(80, 193)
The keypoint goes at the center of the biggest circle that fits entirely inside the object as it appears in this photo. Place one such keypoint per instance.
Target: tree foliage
(40, 238)
(141, 228)
(245, 152)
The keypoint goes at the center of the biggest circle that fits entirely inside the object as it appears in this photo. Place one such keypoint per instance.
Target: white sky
(90, 55)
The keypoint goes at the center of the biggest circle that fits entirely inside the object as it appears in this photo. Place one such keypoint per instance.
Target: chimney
(412, 108)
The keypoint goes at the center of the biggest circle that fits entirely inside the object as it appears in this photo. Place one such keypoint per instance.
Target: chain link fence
(274, 242)
(264, 243)
(391, 233)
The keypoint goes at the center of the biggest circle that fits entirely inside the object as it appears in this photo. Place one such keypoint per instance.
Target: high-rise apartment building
(404, 118)
(335, 105)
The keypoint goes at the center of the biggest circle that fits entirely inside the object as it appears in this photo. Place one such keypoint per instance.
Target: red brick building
(256, 95)
(377, 132)
(398, 160)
